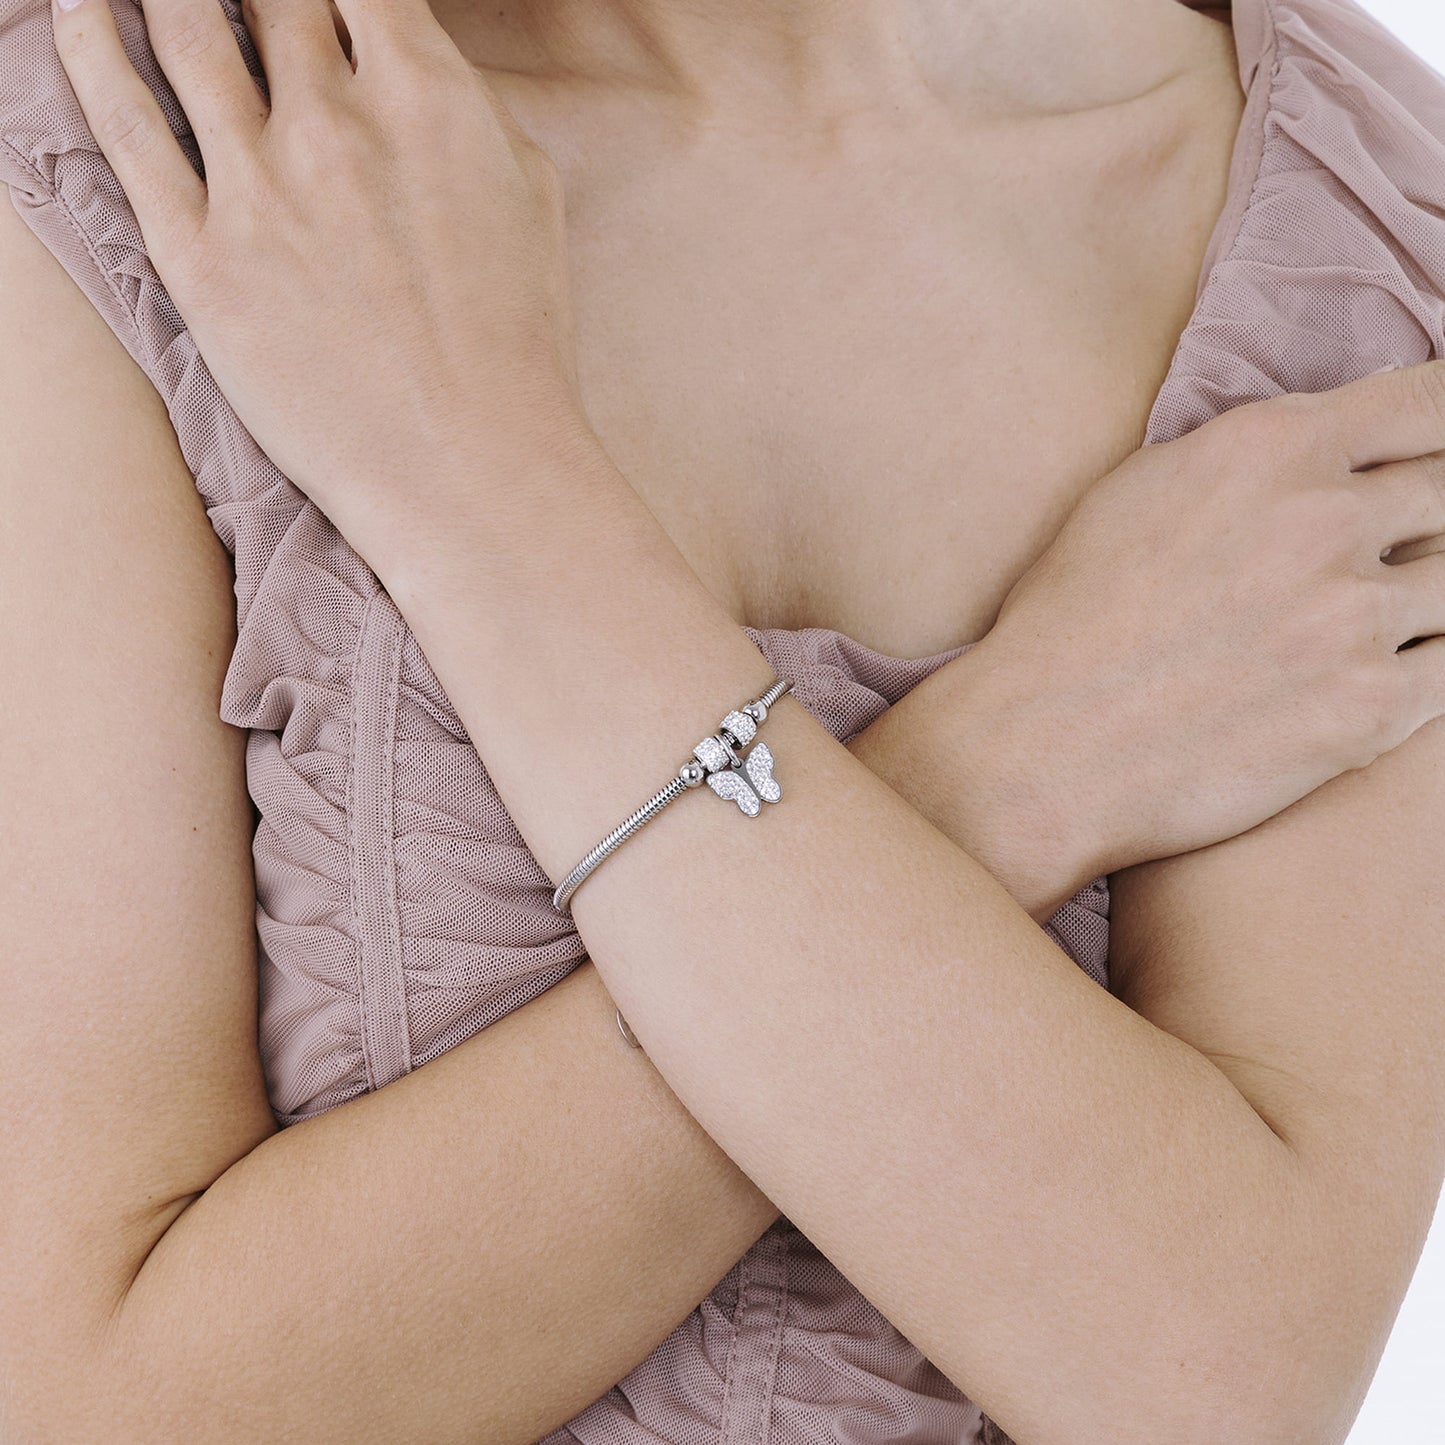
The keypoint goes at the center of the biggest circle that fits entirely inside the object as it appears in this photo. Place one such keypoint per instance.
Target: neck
(824, 58)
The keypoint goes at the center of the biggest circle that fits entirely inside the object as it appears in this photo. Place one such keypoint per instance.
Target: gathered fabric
(398, 909)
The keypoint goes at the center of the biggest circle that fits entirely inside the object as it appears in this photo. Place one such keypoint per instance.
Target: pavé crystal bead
(711, 753)
(741, 726)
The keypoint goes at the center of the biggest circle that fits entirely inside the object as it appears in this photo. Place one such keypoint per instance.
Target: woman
(432, 406)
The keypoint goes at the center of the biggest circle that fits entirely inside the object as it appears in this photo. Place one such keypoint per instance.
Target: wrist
(532, 489)
(1043, 793)
(980, 754)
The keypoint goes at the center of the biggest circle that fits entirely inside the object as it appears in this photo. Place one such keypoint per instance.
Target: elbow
(1290, 1361)
(1270, 1395)
(1267, 1328)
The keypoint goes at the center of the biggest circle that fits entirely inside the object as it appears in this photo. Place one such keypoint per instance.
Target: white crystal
(759, 764)
(752, 784)
(730, 784)
(741, 726)
(711, 754)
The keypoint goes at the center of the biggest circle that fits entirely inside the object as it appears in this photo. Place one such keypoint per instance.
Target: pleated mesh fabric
(398, 909)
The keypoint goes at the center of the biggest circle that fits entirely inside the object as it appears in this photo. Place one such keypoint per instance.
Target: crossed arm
(409, 1211)
(868, 1024)
(477, 1251)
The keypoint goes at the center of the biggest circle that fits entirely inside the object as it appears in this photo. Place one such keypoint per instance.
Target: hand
(1217, 630)
(374, 268)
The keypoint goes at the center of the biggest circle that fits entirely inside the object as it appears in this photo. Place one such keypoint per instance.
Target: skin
(500, 1263)
(464, 637)
(775, 150)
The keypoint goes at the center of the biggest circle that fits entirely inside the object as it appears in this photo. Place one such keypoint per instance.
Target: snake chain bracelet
(745, 780)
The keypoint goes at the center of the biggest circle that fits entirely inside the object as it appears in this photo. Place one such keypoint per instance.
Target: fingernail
(69, 4)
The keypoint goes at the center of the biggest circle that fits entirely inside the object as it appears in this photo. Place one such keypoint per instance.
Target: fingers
(1408, 497)
(1419, 611)
(1389, 417)
(1419, 588)
(164, 191)
(382, 29)
(298, 43)
(194, 46)
(1424, 666)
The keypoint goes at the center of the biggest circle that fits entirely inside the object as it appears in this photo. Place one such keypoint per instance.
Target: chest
(865, 396)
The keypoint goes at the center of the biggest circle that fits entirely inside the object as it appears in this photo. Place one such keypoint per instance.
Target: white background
(1406, 1403)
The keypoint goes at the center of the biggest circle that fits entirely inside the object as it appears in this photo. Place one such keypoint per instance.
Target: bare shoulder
(130, 1075)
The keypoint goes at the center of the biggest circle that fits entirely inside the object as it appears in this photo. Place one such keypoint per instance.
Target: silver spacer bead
(692, 773)
(758, 711)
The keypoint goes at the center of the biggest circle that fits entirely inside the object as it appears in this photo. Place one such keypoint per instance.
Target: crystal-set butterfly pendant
(748, 781)
(750, 792)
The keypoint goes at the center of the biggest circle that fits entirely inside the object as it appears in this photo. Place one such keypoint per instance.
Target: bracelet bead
(713, 753)
(740, 728)
(716, 761)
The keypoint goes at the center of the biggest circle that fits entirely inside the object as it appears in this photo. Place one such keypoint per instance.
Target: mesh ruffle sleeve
(398, 908)
(1330, 261)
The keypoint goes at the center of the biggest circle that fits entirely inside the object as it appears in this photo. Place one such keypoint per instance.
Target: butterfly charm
(751, 785)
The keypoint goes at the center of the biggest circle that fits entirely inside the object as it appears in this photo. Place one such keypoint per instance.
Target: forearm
(950, 747)
(852, 1006)
(667, 1211)
(475, 1252)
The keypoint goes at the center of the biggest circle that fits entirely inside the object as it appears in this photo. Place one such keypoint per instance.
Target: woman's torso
(881, 466)
(862, 384)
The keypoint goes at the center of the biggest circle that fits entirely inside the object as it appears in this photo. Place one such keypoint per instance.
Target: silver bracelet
(747, 781)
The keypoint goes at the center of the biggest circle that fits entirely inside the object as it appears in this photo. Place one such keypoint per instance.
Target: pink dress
(399, 910)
